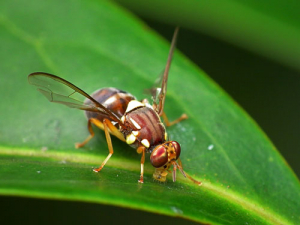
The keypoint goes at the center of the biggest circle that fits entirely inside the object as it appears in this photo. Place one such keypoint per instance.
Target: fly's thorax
(113, 99)
(146, 128)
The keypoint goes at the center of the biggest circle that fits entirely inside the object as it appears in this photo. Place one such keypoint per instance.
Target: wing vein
(58, 90)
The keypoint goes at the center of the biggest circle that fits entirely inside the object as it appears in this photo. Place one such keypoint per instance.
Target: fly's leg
(142, 150)
(90, 128)
(179, 166)
(113, 130)
(168, 123)
(107, 126)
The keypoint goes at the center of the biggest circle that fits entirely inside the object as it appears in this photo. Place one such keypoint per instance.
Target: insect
(120, 114)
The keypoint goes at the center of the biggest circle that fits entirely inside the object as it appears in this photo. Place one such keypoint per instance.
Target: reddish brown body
(146, 121)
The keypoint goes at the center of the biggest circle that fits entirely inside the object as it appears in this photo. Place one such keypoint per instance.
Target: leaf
(97, 44)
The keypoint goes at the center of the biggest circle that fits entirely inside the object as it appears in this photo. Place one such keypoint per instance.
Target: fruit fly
(120, 114)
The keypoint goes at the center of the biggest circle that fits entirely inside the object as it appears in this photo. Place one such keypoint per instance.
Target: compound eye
(177, 148)
(159, 156)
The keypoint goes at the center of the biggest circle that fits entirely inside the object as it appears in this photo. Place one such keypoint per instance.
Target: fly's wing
(159, 94)
(61, 91)
(155, 90)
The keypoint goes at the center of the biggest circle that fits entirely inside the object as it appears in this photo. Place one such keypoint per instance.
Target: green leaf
(97, 44)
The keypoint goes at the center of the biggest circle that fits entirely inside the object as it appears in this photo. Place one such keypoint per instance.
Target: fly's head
(163, 157)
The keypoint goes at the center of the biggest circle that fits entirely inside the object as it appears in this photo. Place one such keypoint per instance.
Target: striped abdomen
(112, 98)
(148, 129)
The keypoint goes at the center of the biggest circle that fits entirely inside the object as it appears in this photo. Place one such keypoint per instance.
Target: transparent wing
(155, 90)
(159, 94)
(61, 91)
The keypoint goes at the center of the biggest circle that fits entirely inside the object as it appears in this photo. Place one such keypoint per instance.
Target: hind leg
(106, 124)
(168, 123)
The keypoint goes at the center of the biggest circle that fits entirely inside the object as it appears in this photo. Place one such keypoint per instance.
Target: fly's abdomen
(148, 130)
(113, 99)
